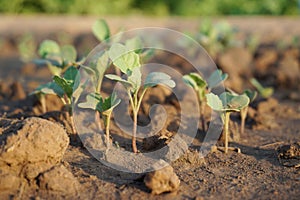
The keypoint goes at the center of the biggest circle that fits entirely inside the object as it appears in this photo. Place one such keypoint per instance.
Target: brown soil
(38, 162)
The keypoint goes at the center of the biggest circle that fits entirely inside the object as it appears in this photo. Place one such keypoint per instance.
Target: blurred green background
(152, 7)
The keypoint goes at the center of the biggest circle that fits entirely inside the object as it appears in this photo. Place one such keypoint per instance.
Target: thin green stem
(134, 147)
(107, 127)
(226, 134)
(141, 98)
(202, 109)
(243, 114)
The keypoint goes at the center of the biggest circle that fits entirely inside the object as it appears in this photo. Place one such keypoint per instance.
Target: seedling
(225, 104)
(57, 58)
(27, 47)
(104, 106)
(64, 87)
(129, 63)
(264, 92)
(200, 86)
(215, 38)
(243, 113)
(251, 95)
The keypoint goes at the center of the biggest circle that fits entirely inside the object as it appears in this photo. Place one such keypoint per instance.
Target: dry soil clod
(162, 180)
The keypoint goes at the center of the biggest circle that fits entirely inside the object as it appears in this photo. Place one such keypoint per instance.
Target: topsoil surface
(267, 168)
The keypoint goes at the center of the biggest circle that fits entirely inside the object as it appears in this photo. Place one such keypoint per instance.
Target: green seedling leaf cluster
(201, 87)
(129, 63)
(225, 104)
(264, 92)
(27, 47)
(104, 106)
(216, 37)
(57, 58)
(64, 87)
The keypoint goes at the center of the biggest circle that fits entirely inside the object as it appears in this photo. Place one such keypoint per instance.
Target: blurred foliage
(152, 7)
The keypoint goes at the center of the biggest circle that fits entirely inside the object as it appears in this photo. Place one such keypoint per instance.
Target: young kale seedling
(200, 86)
(264, 92)
(57, 58)
(27, 47)
(225, 104)
(243, 113)
(102, 105)
(215, 38)
(251, 95)
(65, 87)
(129, 63)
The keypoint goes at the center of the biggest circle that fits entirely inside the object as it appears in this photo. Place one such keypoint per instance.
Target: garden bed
(268, 166)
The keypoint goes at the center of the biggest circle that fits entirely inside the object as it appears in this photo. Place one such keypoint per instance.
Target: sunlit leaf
(214, 102)
(134, 44)
(216, 78)
(48, 47)
(156, 78)
(101, 30)
(50, 88)
(263, 92)
(195, 81)
(68, 53)
(124, 82)
(122, 58)
(135, 79)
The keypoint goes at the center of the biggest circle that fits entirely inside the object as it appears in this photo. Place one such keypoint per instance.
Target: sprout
(264, 92)
(129, 63)
(104, 106)
(243, 113)
(57, 58)
(66, 88)
(200, 86)
(225, 104)
(215, 38)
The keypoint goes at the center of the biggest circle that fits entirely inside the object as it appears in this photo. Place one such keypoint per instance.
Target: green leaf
(234, 103)
(107, 105)
(250, 94)
(101, 30)
(214, 102)
(48, 47)
(103, 63)
(68, 53)
(156, 78)
(54, 69)
(125, 60)
(50, 88)
(195, 81)
(71, 74)
(96, 102)
(135, 79)
(134, 44)
(264, 92)
(92, 100)
(216, 78)
(64, 84)
(124, 82)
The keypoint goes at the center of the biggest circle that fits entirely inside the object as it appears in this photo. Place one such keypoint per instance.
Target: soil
(40, 157)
